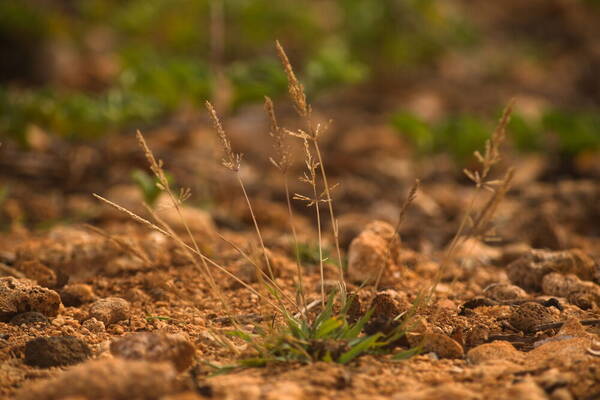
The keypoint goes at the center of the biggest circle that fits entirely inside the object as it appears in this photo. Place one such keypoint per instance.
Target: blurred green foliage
(162, 48)
(161, 51)
(568, 133)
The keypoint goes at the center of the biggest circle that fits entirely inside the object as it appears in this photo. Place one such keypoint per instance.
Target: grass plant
(330, 328)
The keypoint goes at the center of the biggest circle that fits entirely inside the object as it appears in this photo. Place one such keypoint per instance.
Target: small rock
(442, 345)
(28, 318)
(389, 304)
(528, 315)
(93, 325)
(498, 350)
(110, 310)
(584, 299)
(151, 346)
(369, 252)
(35, 270)
(22, 295)
(505, 291)
(76, 294)
(114, 379)
(562, 351)
(555, 284)
(529, 270)
(54, 351)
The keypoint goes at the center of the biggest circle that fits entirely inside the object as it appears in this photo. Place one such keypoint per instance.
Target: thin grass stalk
(282, 163)
(232, 162)
(256, 227)
(180, 242)
(296, 244)
(490, 157)
(259, 270)
(163, 184)
(396, 236)
(304, 110)
(329, 200)
(320, 237)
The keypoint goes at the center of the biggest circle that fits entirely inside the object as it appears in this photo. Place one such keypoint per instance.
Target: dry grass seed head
(295, 88)
(283, 159)
(491, 155)
(231, 160)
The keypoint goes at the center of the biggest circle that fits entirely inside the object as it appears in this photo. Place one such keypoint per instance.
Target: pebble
(529, 270)
(152, 346)
(369, 251)
(442, 345)
(29, 318)
(505, 291)
(35, 270)
(562, 352)
(526, 316)
(114, 379)
(110, 310)
(93, 325)
(22, 295)
(76, 294)
(54, 351)
(498, 350)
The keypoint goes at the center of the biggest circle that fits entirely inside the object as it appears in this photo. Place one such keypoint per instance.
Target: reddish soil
(516, 317)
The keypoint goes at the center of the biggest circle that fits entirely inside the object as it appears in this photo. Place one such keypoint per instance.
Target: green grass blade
(327, 327)
(357, 328)
(362, 346)
(406, 354)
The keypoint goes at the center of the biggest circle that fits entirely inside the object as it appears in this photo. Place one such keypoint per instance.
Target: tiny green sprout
(147, 185)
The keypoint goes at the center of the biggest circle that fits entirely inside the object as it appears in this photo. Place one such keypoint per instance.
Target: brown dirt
(492, 331)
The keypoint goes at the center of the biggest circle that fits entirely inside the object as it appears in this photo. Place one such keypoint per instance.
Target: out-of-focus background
(86, 68)
(78, 77)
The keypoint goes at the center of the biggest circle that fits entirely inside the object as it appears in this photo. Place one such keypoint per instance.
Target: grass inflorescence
(331, 327)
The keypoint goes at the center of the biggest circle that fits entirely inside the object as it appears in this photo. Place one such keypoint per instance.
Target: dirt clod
(529, 270)
(93, 325)
(106, 379)
(442, 345)
(369, 252)
(45, 352)
(21, 295)
(151, 346)
(528, 315)
(76, 294)
(110, 310)
(498, 350)
(504, 291)
(31, 317)
(38, 272)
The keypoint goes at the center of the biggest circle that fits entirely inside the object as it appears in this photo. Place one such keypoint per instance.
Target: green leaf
(327, 327)
(403, 355)
(295, 328)
(327, 312)
(363, 345)
(254, 362)
(242, 335)
(357, 328)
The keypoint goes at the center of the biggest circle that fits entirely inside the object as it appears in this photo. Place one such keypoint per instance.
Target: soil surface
(94, 305)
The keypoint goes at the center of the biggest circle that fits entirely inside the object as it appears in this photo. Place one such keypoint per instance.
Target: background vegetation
(81, 69)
